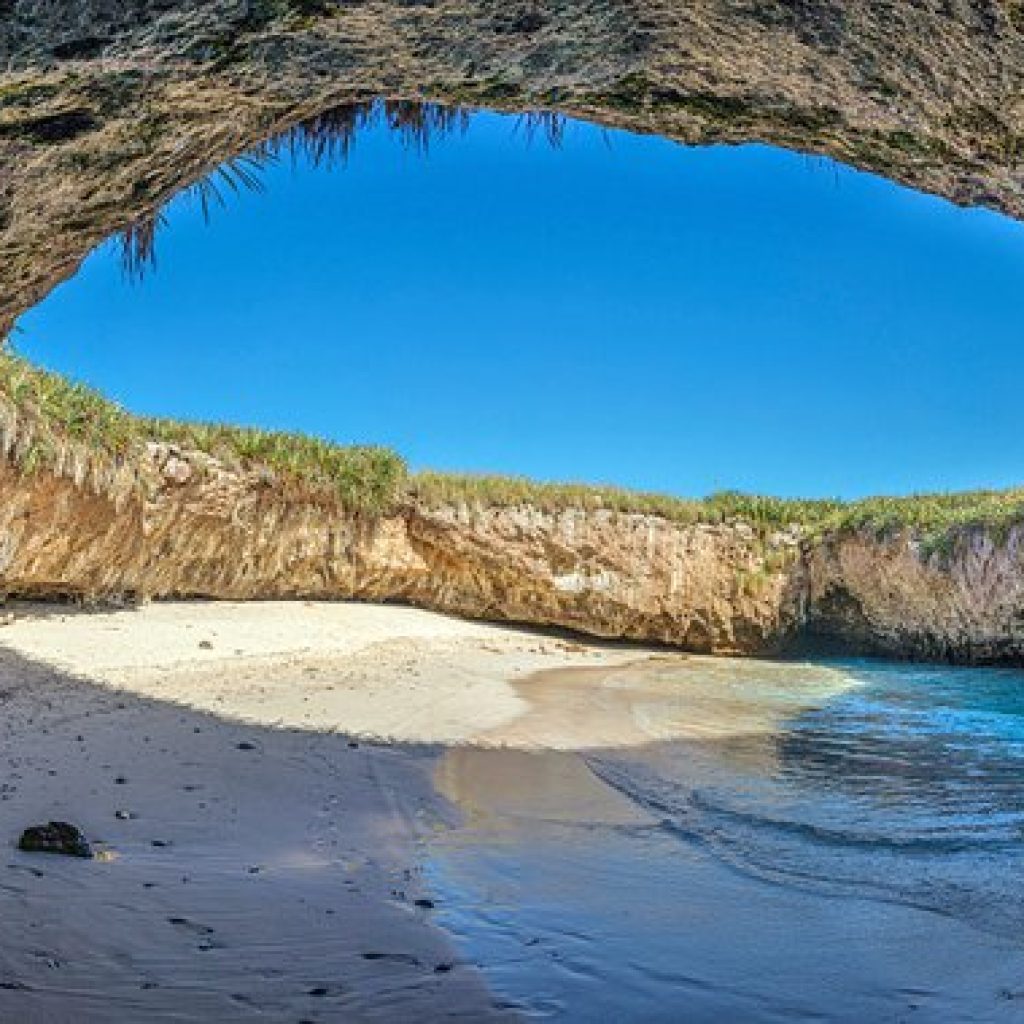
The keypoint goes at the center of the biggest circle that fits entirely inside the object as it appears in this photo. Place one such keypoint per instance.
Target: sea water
(851, 850)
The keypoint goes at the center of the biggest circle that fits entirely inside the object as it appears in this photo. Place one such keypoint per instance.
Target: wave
(898, 793)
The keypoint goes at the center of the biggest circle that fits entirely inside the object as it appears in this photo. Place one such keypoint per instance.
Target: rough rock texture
(56, 837)
(189, 526)
(107, 107)
(182, 524)
(965, 605)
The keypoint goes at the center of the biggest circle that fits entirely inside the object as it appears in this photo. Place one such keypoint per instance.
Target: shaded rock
(860, 81)
(56, 837)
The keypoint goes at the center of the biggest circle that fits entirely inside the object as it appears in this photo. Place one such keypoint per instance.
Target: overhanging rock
(108, 107)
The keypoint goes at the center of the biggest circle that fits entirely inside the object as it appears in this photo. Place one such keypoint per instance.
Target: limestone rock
(725, 588)
(109, 108)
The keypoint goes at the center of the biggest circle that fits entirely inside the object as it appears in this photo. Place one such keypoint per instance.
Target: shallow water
(851, 849)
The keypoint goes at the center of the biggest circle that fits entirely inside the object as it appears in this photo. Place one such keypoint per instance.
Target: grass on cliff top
(374, 480)
(758, 510)
(366, 479)
(932, 516)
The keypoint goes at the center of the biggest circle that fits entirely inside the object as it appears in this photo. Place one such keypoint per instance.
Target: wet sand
(596, 885)
(605, 914)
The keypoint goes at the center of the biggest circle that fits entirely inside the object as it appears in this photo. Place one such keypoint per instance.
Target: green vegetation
(61, 413)
(438, 488)
(933, 517)
(51, 414)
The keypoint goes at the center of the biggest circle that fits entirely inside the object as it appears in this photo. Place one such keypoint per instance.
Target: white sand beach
(341, 812)
(255, 778)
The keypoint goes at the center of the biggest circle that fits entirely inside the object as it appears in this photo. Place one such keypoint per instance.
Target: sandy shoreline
(343, 812)
(264, 864)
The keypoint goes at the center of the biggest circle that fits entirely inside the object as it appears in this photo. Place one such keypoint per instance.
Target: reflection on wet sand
(695, 861)
(659, 698)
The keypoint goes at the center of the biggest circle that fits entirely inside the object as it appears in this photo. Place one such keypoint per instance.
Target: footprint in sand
(184, 922)
(193, 927)
(326, 991)
(397, 958)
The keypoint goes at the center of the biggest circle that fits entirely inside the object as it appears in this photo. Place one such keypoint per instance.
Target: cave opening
(599, 305)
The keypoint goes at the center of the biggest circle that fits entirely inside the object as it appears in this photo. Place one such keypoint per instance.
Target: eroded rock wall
(108, 107)
(185, 525)
(961, 603)
(182, 524)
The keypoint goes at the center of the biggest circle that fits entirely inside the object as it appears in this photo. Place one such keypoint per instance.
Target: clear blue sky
(621, 310)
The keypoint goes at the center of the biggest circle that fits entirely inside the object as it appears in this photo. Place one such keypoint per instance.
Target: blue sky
(620, 310)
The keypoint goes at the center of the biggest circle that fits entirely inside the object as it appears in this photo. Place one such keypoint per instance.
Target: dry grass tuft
(325, 140)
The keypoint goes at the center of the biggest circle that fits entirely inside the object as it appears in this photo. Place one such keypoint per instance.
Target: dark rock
(528, 22)
(56, 837)
(80, 49)
(49, 129)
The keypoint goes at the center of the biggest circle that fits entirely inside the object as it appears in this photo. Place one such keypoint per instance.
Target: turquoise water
(861, 860)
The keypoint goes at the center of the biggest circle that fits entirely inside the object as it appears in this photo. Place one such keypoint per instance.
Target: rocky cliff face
(108, 107)
(182, 524)
(965, 604)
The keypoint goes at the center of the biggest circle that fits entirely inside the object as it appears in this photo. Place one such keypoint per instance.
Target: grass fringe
(48, 422)
(324, 140)
(934, 519)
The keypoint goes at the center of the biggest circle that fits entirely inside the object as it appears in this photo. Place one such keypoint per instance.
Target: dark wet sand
(581, 905)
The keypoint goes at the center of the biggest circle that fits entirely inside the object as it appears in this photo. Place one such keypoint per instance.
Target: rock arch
(108, 107)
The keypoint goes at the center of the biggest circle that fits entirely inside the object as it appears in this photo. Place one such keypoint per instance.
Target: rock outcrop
(56, 837)
(180, 524)
(108, 107)
(964, 604)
